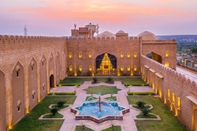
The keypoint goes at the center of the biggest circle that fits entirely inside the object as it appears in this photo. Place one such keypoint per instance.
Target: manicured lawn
(89, 98)
(82, 128)
(57, 115)
(74, 81)
(111, 98)
(116, 128)
(140, 107)
(131, 81)
(78, 81)
(102, 89)
(31, 123)
(148, 116)
(168, 121)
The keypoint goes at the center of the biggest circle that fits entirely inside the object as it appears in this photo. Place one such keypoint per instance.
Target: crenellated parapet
(6, 39)
(104, 39)
(185, 83)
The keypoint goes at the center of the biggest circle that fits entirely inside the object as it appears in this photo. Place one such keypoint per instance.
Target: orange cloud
(97, 10)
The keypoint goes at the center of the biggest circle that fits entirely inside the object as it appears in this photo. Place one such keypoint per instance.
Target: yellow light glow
(27, 110)
(90, 55)
(135, 68)
(70, 68)
(167, 54)
(173, 98)
(164, 100)
(176, 112)
(179, 103)
(122, 68)
(75, 74)
(10, 125)
(38, 100)
(80, 68)
(90, 68)
(118, 73)
(135, 55)
(128, 68)
(70, 55)
(122, 55)
(128, 55)
(168, 93)
(170, 107)
(92, 73)
(160, 94)
(80, 55)
(166, 64)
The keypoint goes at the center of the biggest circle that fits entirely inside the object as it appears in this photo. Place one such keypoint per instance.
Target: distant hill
(181, 39)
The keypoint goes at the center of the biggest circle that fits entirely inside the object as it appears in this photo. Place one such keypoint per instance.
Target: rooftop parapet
(6, 39)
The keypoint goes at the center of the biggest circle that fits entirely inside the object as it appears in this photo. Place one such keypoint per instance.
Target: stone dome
(106, 34)
(121, 31)
(146, 35)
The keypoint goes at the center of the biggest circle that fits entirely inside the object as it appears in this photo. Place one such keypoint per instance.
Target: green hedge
(141, 93)
(136, 85)
(62, 93)
(69, 84)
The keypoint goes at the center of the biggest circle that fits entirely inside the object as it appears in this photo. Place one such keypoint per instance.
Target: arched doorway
(52, 81)
(155, 57)
(106, 64)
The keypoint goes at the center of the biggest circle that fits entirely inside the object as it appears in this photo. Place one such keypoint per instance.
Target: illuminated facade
(30, 66)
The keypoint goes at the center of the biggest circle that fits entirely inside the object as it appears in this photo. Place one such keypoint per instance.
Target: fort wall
(26, 64)
(173, 88)
(83, 53)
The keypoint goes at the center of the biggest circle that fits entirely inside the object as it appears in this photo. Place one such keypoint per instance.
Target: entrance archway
(52, 81)
(106, 64)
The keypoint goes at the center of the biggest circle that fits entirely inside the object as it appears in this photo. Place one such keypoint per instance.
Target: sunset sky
(57, 17)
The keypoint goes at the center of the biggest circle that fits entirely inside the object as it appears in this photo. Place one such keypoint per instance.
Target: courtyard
(85, 88)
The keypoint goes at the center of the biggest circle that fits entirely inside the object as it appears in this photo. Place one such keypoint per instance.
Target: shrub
(54, 110)
(60, 103)
(95, 80)
(62, 93)
(145, 111)
(110, 80)
(140, 104)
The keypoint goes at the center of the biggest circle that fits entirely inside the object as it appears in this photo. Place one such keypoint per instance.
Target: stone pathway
(127, 124)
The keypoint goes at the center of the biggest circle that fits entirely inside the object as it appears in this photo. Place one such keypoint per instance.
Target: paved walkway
(127, 124)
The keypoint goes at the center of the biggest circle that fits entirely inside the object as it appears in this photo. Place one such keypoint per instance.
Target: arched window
(80, 55)
(122, 68)
(135, 68)
(135, 55)
(167, 54)
(128, 68)
(80, 68)
(70, 55)
(90, 68)
(121, 54)
(70, 68)
(90, 55)
(128, 55)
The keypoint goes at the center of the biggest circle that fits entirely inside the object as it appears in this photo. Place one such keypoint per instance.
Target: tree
(140, 104)
(145, 111)
(60, 103)
(54, 111)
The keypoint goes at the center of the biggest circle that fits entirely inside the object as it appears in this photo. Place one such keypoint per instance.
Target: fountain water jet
(99, 110)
